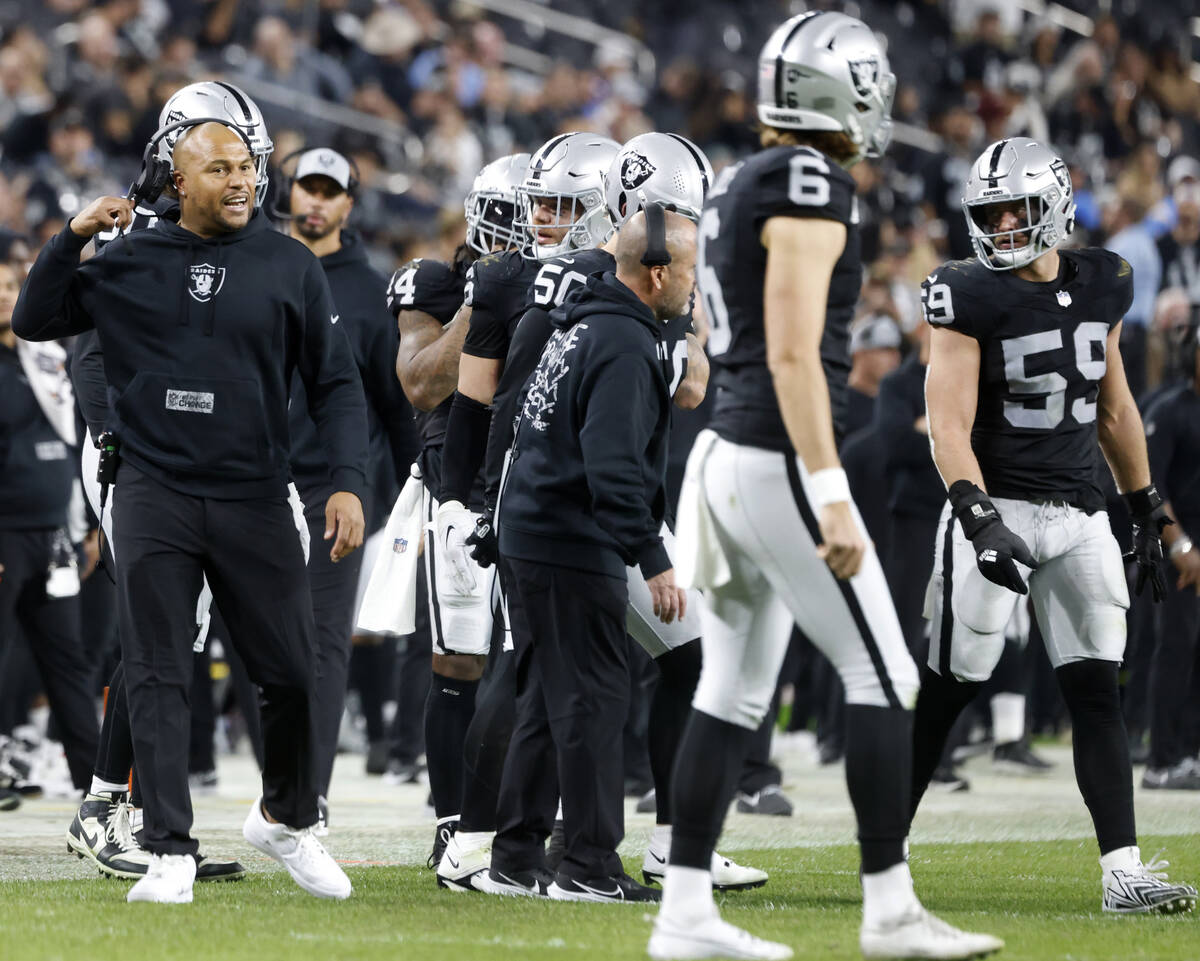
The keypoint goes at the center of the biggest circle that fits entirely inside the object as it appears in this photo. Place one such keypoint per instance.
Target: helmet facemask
(583, 215)
(490, 219)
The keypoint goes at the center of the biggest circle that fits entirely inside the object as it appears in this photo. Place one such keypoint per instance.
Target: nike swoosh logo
(567, 260)
(614, 893)
(454, 864)
(657, 858)
(335, 318)
(91, 839)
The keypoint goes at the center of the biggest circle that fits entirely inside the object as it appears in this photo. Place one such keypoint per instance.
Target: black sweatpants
(249, 549)
(51, 627)
(333, 588)
(908, 567)
(1171, 667)
(572, 697)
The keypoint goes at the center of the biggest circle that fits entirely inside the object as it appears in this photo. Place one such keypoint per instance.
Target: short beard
(315, 233)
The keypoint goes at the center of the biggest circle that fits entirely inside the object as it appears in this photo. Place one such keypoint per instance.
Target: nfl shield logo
(205, 281)
(1064, 299)
(399, 545)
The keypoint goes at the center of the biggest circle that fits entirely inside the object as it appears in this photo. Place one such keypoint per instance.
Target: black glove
(482, 541)
(1149, 519)
(996, 547)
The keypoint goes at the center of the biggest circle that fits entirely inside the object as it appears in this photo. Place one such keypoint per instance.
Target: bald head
(665, 290)
(214, 176)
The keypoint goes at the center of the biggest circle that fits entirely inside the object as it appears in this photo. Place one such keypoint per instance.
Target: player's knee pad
(981, 606)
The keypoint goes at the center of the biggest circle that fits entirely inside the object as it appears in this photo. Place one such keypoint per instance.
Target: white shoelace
(118, 830)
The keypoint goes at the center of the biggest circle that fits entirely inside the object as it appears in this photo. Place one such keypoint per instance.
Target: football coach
(584, 498)
(203, 323)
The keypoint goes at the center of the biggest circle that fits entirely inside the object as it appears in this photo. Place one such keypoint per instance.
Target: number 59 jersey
(1042, 355)
(730, 270)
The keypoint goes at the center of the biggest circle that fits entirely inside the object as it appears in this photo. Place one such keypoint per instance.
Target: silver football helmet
(567, 174)
(1020, 172)
(828, 71)
(662, 168)
(216, 98)
(492, 204)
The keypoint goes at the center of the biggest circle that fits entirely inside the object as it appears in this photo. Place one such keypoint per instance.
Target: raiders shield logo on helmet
(635, 171)
(865, 75)
(205, 281)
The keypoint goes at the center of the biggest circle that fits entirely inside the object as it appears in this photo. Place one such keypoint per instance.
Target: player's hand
(102, 214)
(1188, 565)
(842, 546)
(485, 548)
(1149, 518)
(670, 601)
(453, 523)
(344, 517)
(997, 549)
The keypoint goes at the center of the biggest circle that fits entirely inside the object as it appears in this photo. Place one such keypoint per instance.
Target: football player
(651, 168)
(426, 296)
(765, 512)
(1025, 387)
(106, 826)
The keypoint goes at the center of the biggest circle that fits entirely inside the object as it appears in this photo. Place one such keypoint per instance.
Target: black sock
(941, 701)
(486, 743)
(1101, 748)
(679, 670)
(706, 772)
(879, 774)
(448, 712)
(114, 756)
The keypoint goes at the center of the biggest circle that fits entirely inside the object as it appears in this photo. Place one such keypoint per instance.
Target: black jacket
(586, 486)
(1173, 443)
(360, 298)
(36, 467)
(200, 339)
(916, 485)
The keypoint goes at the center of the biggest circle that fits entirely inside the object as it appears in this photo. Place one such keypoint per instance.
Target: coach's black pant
(51, 628)
(251, 553)
(908, 566)
(1171, 668)
(333, 588)
(572, 697)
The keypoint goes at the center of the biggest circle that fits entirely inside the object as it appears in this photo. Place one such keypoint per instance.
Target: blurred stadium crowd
(421, 93)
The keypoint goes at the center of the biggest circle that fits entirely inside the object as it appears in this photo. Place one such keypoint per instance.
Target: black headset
(286, 181)
(155, 174)
(656, 254)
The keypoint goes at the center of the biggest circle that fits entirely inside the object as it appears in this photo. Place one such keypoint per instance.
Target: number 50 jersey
(731, 267)
(1042, 350)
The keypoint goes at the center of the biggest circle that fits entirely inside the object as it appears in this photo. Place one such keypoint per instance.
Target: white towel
(45, 367)
(699, 559)
(390, 602)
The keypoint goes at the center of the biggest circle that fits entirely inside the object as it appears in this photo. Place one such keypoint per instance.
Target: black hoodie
(586, 486)
(360, 298)
(200, 338)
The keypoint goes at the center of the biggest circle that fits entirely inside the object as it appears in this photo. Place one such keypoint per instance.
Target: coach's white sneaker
(168, 880)
(461, 864)
(918, 934)
(711, 938)
(300, 852)
(727, 874)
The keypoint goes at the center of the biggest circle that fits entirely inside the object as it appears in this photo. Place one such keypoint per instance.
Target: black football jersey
(1042, 353)
(497, 291)
(434, 288)
(554, 281)
(730, 270)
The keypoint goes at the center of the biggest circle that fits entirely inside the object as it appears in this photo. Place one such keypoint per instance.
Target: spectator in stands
(1180, 249)
(1129, 237)
(874, 353)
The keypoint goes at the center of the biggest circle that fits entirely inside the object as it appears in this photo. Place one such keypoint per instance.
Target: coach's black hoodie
(585, 488)
(200, 338)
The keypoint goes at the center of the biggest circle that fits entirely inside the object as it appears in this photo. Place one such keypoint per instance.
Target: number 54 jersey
(1042, 355)
(731, 267)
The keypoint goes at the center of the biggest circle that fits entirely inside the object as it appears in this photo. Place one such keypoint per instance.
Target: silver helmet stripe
(779, 58)
(995, 164)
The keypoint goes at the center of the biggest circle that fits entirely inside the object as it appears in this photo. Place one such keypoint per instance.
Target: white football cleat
(710, 938)
(298, 850)
(168, 880)
(919, 934)
(1144, 889)
(459, 865)
(727, 874)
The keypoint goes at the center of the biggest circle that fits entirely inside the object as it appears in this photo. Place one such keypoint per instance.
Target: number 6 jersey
(730, 270)
(1042, 356)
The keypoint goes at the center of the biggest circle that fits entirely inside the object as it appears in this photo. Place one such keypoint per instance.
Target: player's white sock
(99, 786)
(1121, 859)
(660, 839)
(687, 894)
(472, 840)
(887, 894)
(1008, 718)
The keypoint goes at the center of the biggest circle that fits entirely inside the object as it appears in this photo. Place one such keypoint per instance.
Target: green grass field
(1042, 897)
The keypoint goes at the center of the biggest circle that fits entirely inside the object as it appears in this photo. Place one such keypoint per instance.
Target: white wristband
(1181, 546)
(829, 486)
